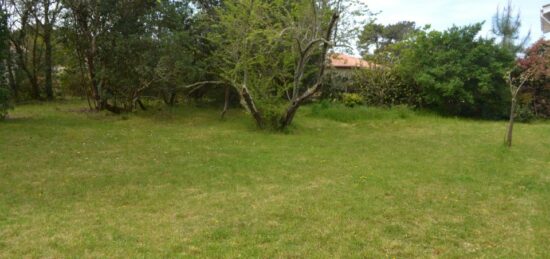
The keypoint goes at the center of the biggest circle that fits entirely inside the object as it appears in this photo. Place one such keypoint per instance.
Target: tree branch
(200, 84)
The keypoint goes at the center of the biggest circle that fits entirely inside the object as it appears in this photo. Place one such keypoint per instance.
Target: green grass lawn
(342, 183)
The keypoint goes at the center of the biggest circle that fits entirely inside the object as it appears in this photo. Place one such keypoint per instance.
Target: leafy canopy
(458, 72)
(271, 51)
(376, 37)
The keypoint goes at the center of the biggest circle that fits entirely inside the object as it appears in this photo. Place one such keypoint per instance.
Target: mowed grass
(182, 183)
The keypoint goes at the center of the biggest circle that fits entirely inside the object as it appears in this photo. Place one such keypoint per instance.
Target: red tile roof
(338, 60)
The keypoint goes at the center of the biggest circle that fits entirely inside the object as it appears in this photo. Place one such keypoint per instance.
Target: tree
(352, 15)
(537, 61)
(457, 72)
(536, 94)
(265, 49)
(5, 96)
(371, 38)
(46, 13)
(208, 5)
(516, 85)
(531, 74)
(82, 26)
(116, 42)
(26, 41)
(376, 37)
(184, 53)
(136, 48)
(506, 26)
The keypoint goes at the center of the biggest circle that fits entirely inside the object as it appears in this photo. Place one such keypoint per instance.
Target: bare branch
(198, 84)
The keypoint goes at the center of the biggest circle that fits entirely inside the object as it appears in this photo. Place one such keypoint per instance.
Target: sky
(442, 14)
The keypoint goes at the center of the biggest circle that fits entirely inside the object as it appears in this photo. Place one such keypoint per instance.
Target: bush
(352, 99)
(5, 102)
(272, 112)
(383, 87)
(525, 114)
(536, 93)
(458, 72)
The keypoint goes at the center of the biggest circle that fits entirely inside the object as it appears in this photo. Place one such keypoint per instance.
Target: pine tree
(506, 26)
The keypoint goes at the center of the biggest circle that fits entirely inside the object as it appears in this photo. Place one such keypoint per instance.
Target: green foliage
(253, 52)
(271, 112)
(183, 57)
(73, 81)
(384, 87)
(375, 37)
(352, 99)
(524, 113)
(273, 51)
(457, 72)
(140, 47)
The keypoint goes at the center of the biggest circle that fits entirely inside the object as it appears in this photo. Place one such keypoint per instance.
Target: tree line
(269, 56)
(116, 52)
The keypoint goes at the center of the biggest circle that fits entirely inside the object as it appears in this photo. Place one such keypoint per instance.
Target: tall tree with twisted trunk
(272, 51)
(297, 101)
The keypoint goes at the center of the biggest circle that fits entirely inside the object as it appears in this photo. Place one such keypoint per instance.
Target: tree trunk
(511, 122)
(22, 63)
(287, 118)
(141, 105)
(48, 62)
(252, 107)
(173, 97)
(290, 112)
(91, 73)
(35, 89)
(88, 99)
(226, 103)
(112, 108)
(11, 77)
(95, 91)
(35, 67)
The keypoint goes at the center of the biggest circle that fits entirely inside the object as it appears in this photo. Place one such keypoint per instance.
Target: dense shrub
(457, 72)
(271, 112)
(524, 113)
(536, 66)
(352, 99)
(383, 87)
(337, 83)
